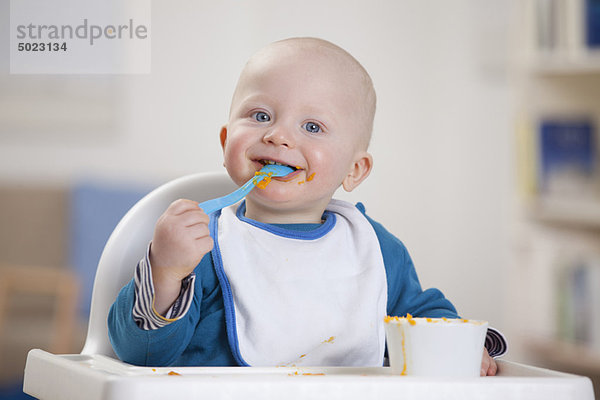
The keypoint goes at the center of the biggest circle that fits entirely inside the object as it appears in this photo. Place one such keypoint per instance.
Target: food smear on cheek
(308, 178)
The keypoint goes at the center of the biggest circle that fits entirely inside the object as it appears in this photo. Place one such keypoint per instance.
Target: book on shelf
(592, 21)
(567, 156)
(578, 302)
(557, 158)
(567, 27)
(526, 158)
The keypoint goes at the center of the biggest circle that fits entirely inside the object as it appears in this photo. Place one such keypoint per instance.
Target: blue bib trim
(226, 289)
(318, 232)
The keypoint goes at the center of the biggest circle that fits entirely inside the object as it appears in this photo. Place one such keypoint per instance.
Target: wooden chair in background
(57, 283)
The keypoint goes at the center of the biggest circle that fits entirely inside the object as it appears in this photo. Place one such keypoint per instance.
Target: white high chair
(128, 242)
(96, 374)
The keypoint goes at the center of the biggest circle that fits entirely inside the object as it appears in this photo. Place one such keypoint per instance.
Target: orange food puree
(412, 321)
(173, 373)
(263, 184)
(265, 181)
(408, 318)
(310, 178)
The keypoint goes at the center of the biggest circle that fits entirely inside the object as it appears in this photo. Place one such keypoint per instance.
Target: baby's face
(299, 109)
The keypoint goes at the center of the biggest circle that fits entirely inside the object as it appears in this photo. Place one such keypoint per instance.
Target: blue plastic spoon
(270, 170)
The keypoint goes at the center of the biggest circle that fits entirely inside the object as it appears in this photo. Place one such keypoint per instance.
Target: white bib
(306, 300)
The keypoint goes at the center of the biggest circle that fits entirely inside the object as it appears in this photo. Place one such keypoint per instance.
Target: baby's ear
(223, 136)
(361, 168)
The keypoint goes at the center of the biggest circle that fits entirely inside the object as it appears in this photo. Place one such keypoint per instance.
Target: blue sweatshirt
(202, 338)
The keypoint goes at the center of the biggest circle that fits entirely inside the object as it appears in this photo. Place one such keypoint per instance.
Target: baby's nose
(279, 136)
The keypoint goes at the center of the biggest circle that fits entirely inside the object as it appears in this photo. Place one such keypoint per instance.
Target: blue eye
(312, 127)
(261, 116)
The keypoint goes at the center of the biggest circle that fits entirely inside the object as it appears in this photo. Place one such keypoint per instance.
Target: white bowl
(435, 346)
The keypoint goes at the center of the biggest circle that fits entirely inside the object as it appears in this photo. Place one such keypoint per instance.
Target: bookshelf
(573, 213)
(565, 66)
(555, 271)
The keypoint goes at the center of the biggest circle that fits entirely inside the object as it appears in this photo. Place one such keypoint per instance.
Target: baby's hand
(488, 364)
(181, 239)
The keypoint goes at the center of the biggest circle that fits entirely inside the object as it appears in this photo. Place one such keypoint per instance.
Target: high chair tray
(97, 377)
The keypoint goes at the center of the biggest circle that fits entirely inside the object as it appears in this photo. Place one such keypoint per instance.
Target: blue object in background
(95, 210)
(567, 144)
(14, 392)
(592, 17)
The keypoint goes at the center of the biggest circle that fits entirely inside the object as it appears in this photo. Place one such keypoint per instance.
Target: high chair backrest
(128, 242)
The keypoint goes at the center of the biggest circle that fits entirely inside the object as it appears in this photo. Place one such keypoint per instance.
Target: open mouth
(271, 162)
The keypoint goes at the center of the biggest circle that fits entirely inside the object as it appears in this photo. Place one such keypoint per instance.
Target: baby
(288, 276)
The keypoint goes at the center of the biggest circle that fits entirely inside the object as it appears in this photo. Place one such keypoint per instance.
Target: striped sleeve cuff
(144, 314)
(495, 343)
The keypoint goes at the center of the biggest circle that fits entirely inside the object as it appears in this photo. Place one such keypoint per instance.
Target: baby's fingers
(193, 217)
(205, 244)
(493, 368)
(182, 205)
(198, 231)
(488, 365)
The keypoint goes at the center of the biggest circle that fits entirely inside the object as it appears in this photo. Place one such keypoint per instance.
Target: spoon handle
(266, 172)
(232, 198)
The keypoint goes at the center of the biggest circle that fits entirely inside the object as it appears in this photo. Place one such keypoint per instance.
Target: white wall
(442, 139)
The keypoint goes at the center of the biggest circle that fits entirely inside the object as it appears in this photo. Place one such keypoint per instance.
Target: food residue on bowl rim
(413, 320)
